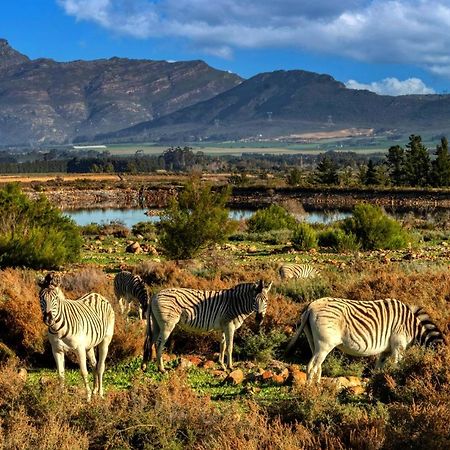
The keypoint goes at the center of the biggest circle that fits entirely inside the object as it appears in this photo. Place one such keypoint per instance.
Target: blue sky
(389, 46)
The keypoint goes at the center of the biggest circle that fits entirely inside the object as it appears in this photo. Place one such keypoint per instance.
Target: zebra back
(207, 310)
(131, 287)
(294, 270)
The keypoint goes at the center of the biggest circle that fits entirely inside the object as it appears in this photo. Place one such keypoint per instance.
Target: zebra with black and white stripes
(129, 287)
(363, 328)
(80, 325)
(223, 310)
(294, 271)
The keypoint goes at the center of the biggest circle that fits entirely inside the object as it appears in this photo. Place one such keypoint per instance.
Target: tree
(371, 177)
(195, 220)
(418, 163)
(326, 171)
(396, 165)
(274, 217)
(294, 177)
(33, 233)
(440, 173)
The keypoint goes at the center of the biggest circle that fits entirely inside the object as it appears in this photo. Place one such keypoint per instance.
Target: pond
(130, 217)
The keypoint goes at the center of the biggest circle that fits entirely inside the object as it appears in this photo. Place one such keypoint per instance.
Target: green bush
(304, 237)
(274, 237)
(305, 290)
(197, 219)
(145, 229)
(34, 233)
(261, 346)
(374, 229)
(338, 240)
(274, 217)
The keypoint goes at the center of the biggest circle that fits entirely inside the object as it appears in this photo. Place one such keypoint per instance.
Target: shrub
(197, 219)
(260, 346)
(338, 240)
(34, 233)
(305, 290)
(145, 229)
(274, 237)
(274, 217)
(304, 237)
(374, 229)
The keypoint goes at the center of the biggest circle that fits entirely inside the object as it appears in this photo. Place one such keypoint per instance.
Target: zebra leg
(166, 330)
(314, 369)
(140, 312)
(398, 344)
(229, 335)
(122, 305)
(93, 362)
(102, 352)
(58, 354)
(223, 346)
(83, 369)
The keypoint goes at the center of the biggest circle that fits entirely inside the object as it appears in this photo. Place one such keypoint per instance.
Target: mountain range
(123, 100)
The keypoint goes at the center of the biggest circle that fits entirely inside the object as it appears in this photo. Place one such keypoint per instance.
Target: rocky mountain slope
(289, 102)
(44, 101)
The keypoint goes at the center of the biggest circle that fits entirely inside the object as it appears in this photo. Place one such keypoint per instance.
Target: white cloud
(384, 31)
(393, 86)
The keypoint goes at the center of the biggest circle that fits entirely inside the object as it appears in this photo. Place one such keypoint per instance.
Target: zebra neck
(60, 325)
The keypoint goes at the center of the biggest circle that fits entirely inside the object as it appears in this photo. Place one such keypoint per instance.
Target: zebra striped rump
(295, 271)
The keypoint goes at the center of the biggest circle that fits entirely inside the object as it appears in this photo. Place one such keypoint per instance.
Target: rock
(219, 374)
(354, 381)
(284, 374)
(267, 375)
(235, 377)
(195, 360)
(209, 364)
(185, 363)
(296, 376)
(278, 379)
(134, 248)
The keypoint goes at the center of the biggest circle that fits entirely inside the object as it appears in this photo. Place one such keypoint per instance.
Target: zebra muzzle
(48, 318)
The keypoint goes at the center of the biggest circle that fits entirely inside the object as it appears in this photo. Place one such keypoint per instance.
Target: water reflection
(130, 217)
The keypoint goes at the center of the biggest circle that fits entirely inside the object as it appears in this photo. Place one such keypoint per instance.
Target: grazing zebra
(223, 310)
(293, 270)
(363, 328)
(129, 287)
(80, 325)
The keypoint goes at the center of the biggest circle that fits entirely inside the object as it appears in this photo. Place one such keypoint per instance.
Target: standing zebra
(293, 270)
(223, 310)
(80, 325)
(129, 287)
(363, 328)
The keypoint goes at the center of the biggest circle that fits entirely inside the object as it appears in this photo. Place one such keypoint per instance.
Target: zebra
(293, 270)
(363, 328)
(80, 325)
(129, 287)
(223, 310)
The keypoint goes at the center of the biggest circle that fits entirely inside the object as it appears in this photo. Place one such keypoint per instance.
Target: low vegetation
(193, 406)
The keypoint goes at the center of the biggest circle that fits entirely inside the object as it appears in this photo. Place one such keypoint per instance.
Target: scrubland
(193, 406)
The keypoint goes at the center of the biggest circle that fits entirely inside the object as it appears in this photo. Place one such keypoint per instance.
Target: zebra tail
(148, 343)
(298, 332)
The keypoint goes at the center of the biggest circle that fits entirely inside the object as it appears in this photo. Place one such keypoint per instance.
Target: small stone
(195, 360)
(267, 375)
(278, 379)
(235, 377)
(209, 364)
(296, 376)
(219, 373)
(22, 374)
(185, 363)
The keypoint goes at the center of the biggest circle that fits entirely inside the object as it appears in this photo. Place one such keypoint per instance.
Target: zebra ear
(41, 282)
(52, 280)
(268, 287)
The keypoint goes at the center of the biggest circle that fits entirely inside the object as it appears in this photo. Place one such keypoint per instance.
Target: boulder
(236, 377)
(134, 247)
(296, 376)
(209, 364)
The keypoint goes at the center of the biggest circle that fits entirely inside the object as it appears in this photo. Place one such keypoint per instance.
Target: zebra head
(49, 297)
(261, 298)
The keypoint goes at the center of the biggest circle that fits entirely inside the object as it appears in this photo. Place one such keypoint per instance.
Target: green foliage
(274, 237)
(417, 164)
(197, 219)
(34, 233)
(305, 290)
(261, 346)
(305, 237)
(294, 177)
(371, 178)
(274, 217)
(396, 161)
(145, 229)
(374, 229)
(326, 171)
(338, 240)
(440, 174)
